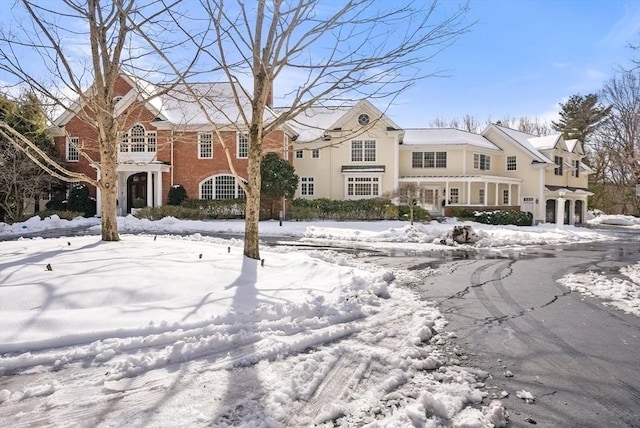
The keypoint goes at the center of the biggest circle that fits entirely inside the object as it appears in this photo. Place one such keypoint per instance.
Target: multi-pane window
(505, 197)
(363, 186)
(307, 186)
(512, 165)
(481, 195)
(73, 143)
(221, 187)
(363, 151)
(429, 160)
(481, 162)
(454, 195)
(138, 140)
(315, 154)
(242, 151)
(205, 145)
(575, 171)
(299, 154)
(558, 169)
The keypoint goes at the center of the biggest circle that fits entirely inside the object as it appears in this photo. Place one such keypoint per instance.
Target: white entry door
(429, 198)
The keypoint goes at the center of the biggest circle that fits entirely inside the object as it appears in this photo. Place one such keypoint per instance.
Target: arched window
(139, 140)
(223, 186)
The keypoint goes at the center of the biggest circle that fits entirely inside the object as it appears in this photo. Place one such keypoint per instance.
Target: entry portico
(137, 181)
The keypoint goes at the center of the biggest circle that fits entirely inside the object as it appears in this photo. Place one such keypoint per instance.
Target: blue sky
(521, 58)
(524, 57)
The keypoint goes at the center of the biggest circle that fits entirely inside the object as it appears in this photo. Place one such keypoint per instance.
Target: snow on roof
(447, 136)
(315, 121)
(524, 140)
(217, 99)
(546, 142)
(571, 144)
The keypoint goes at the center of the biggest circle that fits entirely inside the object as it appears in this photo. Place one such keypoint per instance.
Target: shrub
(177, 195)
(80, 201)
(497, 217)
(65, 215)
(419, 214)
(329, 209)
(139, 203)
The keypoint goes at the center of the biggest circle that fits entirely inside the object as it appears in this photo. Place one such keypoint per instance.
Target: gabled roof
(521, 140)
(316, 122)
(446, 136)
(174, 106)
(313, 123)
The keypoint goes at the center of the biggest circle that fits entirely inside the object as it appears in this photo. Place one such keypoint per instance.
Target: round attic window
(363, 119)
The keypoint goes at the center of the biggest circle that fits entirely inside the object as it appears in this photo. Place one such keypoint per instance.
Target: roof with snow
(445, 136)
(524, 141)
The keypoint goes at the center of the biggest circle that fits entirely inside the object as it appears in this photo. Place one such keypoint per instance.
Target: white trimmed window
(429, 160)
(205, 145)
(481, 162)
(242, 149)
(454, 195)
(363, 186)
(505, 197)
(299, 154)
(73, 155)
(363, 151)
(138, 140)
(222, 186)
(558, 169)
(307, 186)
(315, 154)
(575, 171)
(512, 164)
(481, 196)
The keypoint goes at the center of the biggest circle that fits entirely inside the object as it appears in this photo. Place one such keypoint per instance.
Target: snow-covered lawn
(168, 330)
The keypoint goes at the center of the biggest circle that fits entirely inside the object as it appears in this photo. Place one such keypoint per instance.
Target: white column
(149, 189)
(497, 196)
(560, 212)
(486, 193)
(158, 188)
(468, 193)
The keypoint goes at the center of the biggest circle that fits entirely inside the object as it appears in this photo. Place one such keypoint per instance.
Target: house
(341, 152)
(347, 152)
(167, 141)
(346, 155)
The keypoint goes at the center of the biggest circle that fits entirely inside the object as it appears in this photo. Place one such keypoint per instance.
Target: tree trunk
(252, 212)
(109, 193)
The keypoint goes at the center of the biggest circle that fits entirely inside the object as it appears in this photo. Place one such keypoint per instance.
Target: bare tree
(355, 49)
(83, 47)
(408, 194)
(617, 140)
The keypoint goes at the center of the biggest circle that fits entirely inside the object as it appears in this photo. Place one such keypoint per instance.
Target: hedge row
(328, 209)
(197, 209)
(496, 217)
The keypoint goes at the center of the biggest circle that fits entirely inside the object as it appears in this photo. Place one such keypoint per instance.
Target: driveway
(578, 358)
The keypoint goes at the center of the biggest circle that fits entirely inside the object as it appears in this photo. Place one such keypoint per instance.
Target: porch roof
(459, 179)
(143, 167)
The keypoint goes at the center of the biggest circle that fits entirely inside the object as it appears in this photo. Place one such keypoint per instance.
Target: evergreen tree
(278, 177)
(278, 180)
(580, 117)
(21, 180)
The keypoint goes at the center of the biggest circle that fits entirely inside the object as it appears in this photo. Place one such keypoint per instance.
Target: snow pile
(616, 220)
(381, 233)
(185, 331)
(622, 292)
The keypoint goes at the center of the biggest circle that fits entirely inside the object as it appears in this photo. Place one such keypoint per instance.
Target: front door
(136, 189)
(429, 199)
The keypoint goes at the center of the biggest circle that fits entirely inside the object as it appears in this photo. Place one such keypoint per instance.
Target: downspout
(172, 137)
